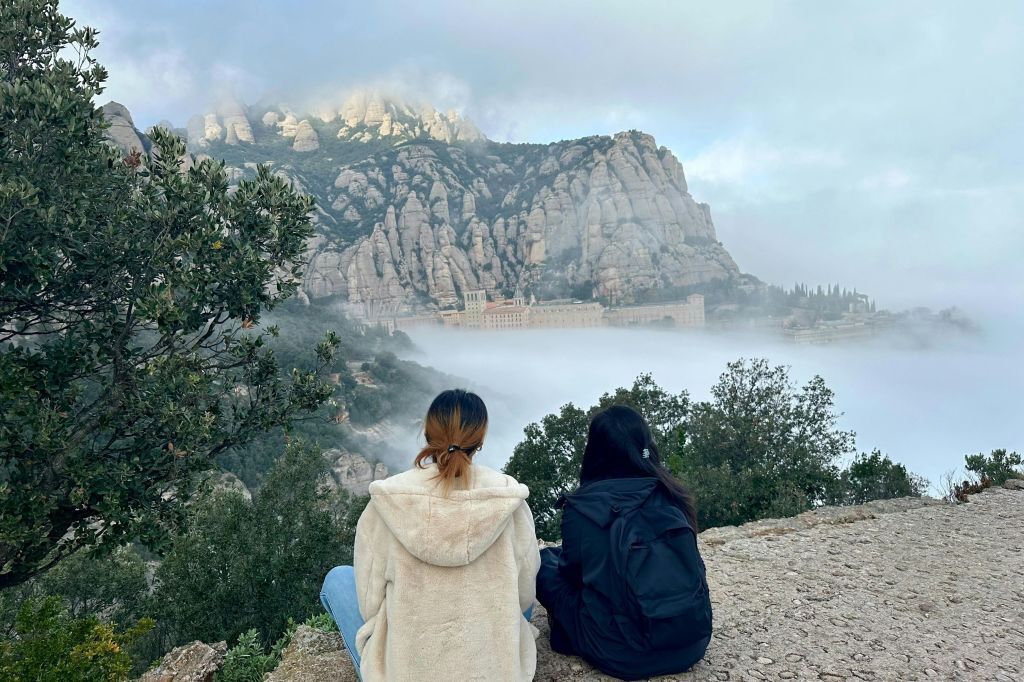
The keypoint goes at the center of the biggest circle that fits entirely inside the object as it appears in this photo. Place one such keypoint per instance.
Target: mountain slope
(417, 206)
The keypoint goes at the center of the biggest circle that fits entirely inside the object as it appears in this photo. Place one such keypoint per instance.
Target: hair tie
(453, 448)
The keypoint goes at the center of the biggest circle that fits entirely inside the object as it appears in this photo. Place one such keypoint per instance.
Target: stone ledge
(314, 656)
(195, 662)
(714, 537)
(904, 589)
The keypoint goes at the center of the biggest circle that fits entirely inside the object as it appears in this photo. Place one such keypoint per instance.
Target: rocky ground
(909, 589)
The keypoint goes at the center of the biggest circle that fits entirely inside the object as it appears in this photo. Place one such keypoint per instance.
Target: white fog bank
(924, 407)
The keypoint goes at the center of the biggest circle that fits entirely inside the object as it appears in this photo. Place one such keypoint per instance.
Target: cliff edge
(906, 589)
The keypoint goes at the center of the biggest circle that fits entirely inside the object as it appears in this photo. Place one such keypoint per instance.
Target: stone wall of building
(568, 314)
(515, 313)
(504, 316)
(414, 321)
(682, 314)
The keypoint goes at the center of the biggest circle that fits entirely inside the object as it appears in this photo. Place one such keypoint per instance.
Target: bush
(955, 493)
(999, 466)
(876, 477)
(52, 646)
(246, 661)
(983, 471)
(254, 564)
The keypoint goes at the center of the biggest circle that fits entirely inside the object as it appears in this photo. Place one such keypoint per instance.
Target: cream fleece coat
(443, 580)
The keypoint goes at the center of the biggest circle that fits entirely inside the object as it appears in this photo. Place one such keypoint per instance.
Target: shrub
(254, 564)
(113, 584)
(956, 493)
(51, 646)
(876, 477)
(321, 621)
(999, 466)
(246, 661)
(983, 471)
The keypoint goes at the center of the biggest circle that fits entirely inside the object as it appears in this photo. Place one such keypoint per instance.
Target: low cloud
(925, 407)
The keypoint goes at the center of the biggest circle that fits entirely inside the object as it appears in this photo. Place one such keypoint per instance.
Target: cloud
(159, 75)
(892, 179)
(876, 143)
(744, 161)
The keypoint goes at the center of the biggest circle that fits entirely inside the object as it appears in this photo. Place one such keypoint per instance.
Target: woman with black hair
(627, 589)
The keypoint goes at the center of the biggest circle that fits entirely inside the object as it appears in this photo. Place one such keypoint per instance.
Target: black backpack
(664, 590)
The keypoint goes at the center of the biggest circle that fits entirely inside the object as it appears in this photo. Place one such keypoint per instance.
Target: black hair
(620, 445)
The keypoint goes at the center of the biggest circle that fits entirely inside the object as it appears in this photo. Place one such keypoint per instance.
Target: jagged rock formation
(195, 662)
(229, 122)
(904, 589)
(306, 139)
(313, 656)
(416, 206)
(353, 473)
(369, 115)
(122, 131)
(598, 217)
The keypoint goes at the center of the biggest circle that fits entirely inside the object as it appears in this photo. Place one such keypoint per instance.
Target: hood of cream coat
(447, 530)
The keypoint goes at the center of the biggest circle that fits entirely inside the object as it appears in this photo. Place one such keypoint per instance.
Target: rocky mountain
(122, 130)
(365, 116)
(417, 206)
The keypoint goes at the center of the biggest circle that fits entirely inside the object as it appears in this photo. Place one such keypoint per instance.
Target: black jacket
(589, 612)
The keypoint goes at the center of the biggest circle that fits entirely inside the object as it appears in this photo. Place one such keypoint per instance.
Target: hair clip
(647, 453)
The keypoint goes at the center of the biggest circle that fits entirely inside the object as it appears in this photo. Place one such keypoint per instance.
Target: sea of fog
(924, 405)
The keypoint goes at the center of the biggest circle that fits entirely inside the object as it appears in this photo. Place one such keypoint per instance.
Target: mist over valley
(926, 406)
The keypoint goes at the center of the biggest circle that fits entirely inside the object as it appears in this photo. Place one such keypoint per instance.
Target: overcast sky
(875, 144)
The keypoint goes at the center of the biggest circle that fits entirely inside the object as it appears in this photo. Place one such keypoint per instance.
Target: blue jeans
(338, 596)
(340, 599)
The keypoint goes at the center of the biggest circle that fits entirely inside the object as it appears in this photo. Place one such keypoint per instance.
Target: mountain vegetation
(254, 562)
(367, 386)
(761, 447)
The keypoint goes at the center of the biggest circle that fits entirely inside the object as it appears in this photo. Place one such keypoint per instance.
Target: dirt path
(898, 590)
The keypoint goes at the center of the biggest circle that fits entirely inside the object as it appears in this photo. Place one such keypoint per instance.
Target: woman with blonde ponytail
(445, 564)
